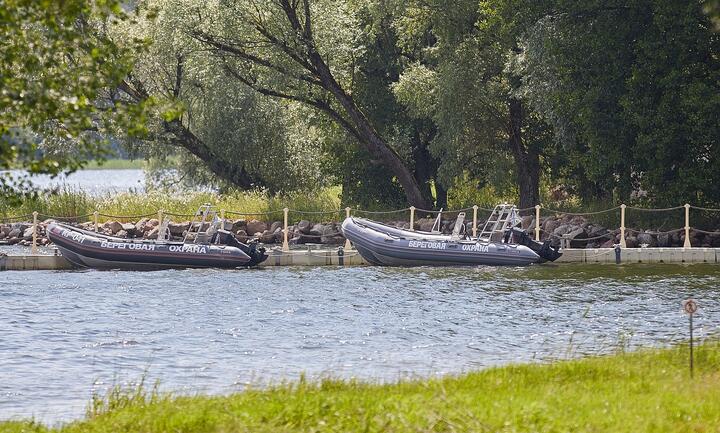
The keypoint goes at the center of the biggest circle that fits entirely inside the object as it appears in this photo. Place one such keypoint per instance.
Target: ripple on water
(67, 335)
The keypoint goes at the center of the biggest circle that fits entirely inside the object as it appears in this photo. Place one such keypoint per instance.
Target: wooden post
(475, 209)
(222, 215)
(348, 245)
(96, 216)
(623, 244)
(160, 216)
(537, 222)
(286, 245)
(412, 218)
(687, 227)
(34, 243)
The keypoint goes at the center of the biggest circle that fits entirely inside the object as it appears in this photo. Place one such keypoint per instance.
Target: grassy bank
(646, 391)
(72, 204)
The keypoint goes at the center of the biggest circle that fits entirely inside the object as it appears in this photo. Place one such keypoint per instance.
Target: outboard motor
(546, 251)
(256, 253)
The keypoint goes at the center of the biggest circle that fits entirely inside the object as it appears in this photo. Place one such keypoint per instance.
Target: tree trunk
(527, 161)
(184, 138)
(369, 137)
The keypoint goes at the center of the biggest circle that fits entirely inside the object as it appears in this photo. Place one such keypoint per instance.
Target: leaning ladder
(501, 218)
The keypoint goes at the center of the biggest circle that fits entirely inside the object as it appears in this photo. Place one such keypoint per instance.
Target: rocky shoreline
(575, 231)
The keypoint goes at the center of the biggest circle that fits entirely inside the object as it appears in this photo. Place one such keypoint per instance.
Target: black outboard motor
(546, 251)
(257, 254)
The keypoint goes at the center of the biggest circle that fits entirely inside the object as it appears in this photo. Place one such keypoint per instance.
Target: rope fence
(411, 219)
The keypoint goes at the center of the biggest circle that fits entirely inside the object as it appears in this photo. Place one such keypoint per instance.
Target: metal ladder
(205, 214)
(502, 217)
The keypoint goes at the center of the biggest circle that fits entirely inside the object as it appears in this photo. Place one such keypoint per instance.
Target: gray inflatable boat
(383, 245)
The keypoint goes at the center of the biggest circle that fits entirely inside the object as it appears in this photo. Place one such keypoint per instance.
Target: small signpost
(690, 307)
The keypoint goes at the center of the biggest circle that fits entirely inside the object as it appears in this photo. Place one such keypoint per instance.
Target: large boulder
(663, 240)
(646, 239)
(631, 242)
(304, 227)
(562, 229)
(550, 225)
(577, 238)
(267, 237)
(255, 226)
(152, 233)
(240, 224)
(177, 229)
(424, 224)
(140, 226)
(275, 225)
(130, 229)
(241, 235)
(113, 226)
(15, 233)
(28, 234)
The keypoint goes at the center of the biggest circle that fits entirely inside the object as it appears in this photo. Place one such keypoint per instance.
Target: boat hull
(92, 250)
(390, 248)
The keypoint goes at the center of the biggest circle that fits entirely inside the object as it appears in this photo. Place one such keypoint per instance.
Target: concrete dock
(336, 257)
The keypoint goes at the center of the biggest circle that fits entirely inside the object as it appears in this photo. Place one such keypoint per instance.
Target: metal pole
(622, 226)
(96, 215)
(537, 222)
(348, 245)
(687, 226)
(34, 243)
(412, 218)
(286, 245)
(475, 209)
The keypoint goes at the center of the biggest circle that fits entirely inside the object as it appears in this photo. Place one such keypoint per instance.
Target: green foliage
(56, 64)
(648, 390)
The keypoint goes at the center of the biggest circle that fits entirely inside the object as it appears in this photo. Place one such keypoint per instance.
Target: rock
(646, 239)
(129, 228)
(663, 240)
(528, 222)
(425, 224)
(113, 226)
(177, 229)
(275, 225)
(631, 242)
(14, 233)
(577, 237)
(562, 229)
(715, 239)
(240, 224)
(304, 226)
(28, 234)
(595, 231)
(152, 234)
(140, 225)
(267, 237)
(241, 235)
(608, 244)
(279, 235)
(151, 224)
(255, 226)
(3, 235)
(550, 226)
(122, 234)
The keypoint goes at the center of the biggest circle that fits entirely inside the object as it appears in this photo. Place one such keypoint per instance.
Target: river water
(67, 335)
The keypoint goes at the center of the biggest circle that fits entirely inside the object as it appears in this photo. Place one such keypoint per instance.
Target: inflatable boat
(501, 244)
(92, 250)
(212, 248)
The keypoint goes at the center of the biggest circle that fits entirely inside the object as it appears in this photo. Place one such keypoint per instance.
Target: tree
(54, 68)
(301, 51)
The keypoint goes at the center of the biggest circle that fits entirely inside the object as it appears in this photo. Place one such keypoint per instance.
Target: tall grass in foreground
(645, 391)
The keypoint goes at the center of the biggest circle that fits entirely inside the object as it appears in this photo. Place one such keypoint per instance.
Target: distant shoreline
(116, 164)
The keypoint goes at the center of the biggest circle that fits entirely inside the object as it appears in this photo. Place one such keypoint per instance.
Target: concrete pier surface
(337, 257)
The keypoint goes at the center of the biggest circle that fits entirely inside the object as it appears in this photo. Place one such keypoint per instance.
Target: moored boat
(499, 243)
(212, 248)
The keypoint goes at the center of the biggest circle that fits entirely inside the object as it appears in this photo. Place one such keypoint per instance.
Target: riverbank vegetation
(397, 102)
(648, 390)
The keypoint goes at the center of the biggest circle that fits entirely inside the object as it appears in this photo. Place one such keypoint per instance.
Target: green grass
(71, 204)
(645, 391)
(116, 164)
